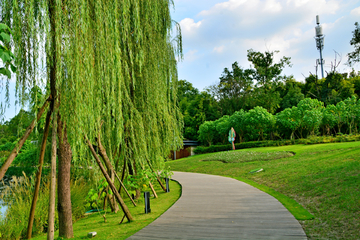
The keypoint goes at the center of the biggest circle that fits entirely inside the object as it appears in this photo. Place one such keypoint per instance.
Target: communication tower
(319, 38)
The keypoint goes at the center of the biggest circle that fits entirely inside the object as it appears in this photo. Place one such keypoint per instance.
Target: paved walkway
(214, 207)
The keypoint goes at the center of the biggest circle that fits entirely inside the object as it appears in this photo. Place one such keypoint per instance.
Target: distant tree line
(262, 90)
(308, 117)
(231, 95)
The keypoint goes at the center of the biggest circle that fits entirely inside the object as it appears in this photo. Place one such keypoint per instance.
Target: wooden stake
(38, 175)
(157, 176)
(111, 184)
(123, 174)
(110, 170)
(122, 219)
(110, 167)
(153, 190)
(121, 184)
(21, 142)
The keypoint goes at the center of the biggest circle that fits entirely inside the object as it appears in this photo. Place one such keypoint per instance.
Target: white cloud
(355, 12)
(221, 34)
(272, 6)
(188, 26)
(219, 49)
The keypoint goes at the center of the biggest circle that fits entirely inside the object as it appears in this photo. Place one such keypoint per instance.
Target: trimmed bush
(255, 144)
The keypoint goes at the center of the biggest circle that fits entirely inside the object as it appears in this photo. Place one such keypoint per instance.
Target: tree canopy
(110, 72)
(115, 69)
(354, 57)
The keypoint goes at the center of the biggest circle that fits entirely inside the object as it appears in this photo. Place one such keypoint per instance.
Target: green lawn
(324, 179)
(112, 229)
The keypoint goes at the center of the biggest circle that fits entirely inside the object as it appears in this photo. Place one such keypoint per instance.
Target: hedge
(269, 143)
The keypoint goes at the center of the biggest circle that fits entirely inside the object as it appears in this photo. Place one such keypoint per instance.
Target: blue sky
(216, 33)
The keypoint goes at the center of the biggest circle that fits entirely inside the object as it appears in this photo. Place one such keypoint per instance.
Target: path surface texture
(214, 207)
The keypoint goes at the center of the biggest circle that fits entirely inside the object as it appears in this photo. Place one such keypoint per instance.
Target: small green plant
(166, 172)
(139, 181)
(96, 196)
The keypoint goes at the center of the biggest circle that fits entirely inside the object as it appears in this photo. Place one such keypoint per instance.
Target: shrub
(255, 144)
(7, 146)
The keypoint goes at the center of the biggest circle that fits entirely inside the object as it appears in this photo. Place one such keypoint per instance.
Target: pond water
(3, 209)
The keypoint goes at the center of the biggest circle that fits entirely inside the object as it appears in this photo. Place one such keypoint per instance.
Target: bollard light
(147, 202)
(167, 185)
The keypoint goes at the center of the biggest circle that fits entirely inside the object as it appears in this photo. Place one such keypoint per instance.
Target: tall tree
(267, 75)
(291, 93)
(106, 61)
(335, 87)
(265, 70)
(196, 108)
(354, 57)
(235, 88)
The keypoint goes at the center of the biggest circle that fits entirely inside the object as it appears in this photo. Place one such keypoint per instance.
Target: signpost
(232, 135)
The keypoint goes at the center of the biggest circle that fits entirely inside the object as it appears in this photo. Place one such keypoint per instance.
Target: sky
(216, 33)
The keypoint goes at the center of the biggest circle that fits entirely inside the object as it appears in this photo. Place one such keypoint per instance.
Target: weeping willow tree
(109, 68)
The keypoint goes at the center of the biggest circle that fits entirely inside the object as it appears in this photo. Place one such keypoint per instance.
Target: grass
(111, 229)
(319, 180)
(246, 156)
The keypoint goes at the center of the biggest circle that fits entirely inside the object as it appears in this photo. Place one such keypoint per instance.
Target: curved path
(214, 207)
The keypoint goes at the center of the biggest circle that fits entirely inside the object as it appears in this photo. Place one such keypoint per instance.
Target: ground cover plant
(323, 178)
(112, 229)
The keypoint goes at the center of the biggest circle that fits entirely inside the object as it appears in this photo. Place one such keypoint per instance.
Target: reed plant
(18, 196)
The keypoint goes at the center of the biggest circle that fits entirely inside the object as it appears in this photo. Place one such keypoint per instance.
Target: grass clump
(18, 197)
(324, 179)
(112, 229)
(248, 156)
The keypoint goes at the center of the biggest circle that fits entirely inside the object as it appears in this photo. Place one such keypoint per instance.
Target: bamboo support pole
(153, 190)
(157, 176)
(21, 142)
(38, 175)
(111, 184)
(125, 189)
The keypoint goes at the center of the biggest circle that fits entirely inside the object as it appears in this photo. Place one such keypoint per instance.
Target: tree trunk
(64, 193)
(112, 186)
(38, 175)
(110, 170)
(51, 215)
(21, 142)
(64, 150)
